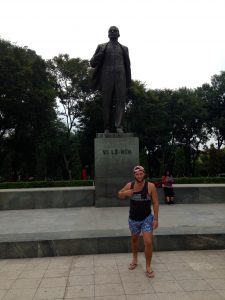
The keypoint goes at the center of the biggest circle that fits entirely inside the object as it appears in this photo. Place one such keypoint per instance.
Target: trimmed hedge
(44, 184)
(189, 180)
(74, 183)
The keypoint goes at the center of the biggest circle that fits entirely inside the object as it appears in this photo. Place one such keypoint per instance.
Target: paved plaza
(92, 222)
(180, 275)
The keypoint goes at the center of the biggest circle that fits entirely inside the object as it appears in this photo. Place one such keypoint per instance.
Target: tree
(179, 163)
(27, 103)
(72, 86)
(188, 116)
(214, 97)
(146, 117)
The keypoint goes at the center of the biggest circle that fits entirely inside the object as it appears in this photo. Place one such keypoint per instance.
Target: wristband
(155, 219)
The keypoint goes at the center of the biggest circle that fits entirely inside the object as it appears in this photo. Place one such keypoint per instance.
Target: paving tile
(173, 296)
(160, 267)
(195, 285)
(39, 260)
(107, 269)
(218, 265)
(180, 274)
(109, 278)
(32, 274)
(10, 274)
(163, 275)
(212, 274)
(19, 294)
(178, 266)
(56, 273)
(36, 266)
(6, 283)
(2, 293)
(138, 287)
(49, 293)
(79, 291)
(132, 276)
(109, 289)
(61, 259)
(222, 271)
(53, 282)
(123, 258)
(64, 264)
(23, 283)
(198, 266)
(81, 271)
(193, 275)
(80, 298)
(83, 261)
(166, 286)
(218, 284)
(3, 262)
(13, 267)
(104, 262)
(122, 261)
(205, 295)
(171, 259)
(221, 293)
(121, 297)
(80, 280)
(142, 297)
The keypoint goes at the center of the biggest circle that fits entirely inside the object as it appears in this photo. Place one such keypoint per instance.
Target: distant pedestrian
(167, 184)
(141, 219)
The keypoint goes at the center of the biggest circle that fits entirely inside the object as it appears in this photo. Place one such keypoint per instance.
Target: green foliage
(71, 76)
(192, 180)
(213, 96)
(44, 184)
(179, 163)
(172, 125)
(27, 109)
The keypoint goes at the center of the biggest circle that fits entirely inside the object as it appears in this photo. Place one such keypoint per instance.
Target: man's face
(139, 176)
(113, 33)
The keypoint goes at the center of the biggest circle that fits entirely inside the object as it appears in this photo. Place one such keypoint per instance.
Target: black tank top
(140, 204)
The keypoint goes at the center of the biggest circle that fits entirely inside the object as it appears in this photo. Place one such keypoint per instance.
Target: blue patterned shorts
(146, 225)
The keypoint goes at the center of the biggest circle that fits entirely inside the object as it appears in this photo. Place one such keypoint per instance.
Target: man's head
(113, 33)
(139, 173)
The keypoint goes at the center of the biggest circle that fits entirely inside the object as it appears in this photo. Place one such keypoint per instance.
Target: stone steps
(91, 230)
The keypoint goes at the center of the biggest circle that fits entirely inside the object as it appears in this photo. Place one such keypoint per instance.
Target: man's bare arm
(155, 204)
(126, 191)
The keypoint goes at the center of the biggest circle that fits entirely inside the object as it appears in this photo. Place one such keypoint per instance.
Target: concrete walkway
(183, 275)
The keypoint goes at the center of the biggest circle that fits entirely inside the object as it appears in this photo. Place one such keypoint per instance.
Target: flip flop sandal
(150, 274)
(132, 266)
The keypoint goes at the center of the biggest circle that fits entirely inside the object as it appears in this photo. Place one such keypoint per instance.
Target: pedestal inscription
(115, 158)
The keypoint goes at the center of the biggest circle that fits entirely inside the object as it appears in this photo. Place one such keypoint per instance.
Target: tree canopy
(49, 118)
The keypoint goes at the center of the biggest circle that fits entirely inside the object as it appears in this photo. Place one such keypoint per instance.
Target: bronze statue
(112, 76)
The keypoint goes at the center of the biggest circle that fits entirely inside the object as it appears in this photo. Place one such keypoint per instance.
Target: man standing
(141, 219)
(112, 76)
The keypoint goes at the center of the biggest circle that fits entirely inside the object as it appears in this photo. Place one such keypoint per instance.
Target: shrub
(44, 184)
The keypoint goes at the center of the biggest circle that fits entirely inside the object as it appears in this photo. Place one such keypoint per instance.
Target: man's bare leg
(134, 248)
(147, 236)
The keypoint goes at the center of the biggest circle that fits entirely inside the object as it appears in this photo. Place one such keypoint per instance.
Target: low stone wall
(38, 198)
(46, 198)
(196, 193)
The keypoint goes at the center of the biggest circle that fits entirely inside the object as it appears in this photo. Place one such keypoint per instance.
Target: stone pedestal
(115, 157)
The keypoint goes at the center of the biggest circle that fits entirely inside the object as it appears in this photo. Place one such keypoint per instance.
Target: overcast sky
(172, 43)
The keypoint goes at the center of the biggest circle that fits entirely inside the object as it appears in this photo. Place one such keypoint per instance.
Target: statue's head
(113, 33)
